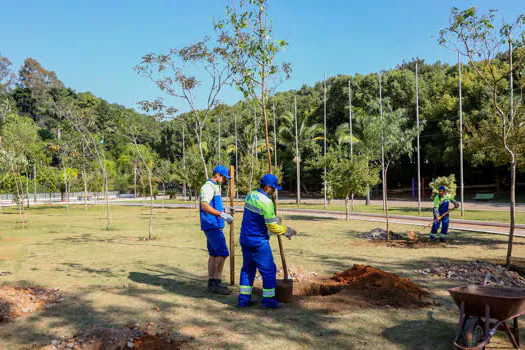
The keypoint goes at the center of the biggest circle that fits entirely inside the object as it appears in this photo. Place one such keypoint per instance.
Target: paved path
(497, 206)
(456, 224)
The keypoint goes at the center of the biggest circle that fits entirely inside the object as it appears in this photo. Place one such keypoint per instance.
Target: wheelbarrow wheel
(472, 333)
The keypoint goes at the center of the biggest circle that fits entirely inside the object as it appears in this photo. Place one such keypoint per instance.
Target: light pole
(382, 141)
(324, 120)
(418, 154)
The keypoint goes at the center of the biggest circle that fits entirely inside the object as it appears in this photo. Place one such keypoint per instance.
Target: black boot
(211, 285)
(221, 288)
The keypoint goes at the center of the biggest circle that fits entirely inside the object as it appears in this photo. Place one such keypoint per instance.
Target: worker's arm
(455, 203)
(207, 208)
(271, 220)
(436, 206)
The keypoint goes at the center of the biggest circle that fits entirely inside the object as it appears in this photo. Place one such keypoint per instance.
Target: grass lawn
(111, 278)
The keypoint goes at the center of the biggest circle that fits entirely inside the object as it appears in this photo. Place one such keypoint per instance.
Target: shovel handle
(283, 259)
(232, 227)
(437, 219)
(281, 248)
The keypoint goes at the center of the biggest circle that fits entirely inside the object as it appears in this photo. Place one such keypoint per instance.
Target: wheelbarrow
(478, 305)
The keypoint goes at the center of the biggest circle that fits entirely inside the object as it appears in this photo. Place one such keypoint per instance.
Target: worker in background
(258, 221)
(212, 217)
(441, 213)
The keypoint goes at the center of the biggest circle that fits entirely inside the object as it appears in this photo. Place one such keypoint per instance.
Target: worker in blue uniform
(212, 217)
(258, 221)
(441, 213)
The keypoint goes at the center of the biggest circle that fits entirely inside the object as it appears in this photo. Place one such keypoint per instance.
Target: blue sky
(93, 45)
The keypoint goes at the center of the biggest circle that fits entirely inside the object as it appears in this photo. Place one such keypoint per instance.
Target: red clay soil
(382, 288)
(16, 302)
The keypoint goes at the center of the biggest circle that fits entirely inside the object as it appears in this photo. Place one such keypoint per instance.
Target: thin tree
(248, 38)
(172, 74)
(476, 37)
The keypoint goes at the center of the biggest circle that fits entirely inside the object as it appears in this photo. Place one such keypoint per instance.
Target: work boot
(221, 288)
(271, 303)
(211, 285)
(248, 304)
(432, 237)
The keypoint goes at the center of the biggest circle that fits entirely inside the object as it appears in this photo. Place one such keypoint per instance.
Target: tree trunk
(20, 200)
(251, 171)
(346, 206)
(150, 228)
(512, 211)
(66, 196)
(367, 202)
(84, 180)
(386, 208)
(198, 131)
(164, 196)
(107, 199)
(27, 189)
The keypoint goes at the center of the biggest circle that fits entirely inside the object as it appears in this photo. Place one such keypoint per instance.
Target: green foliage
(351, 176)
(448, 181)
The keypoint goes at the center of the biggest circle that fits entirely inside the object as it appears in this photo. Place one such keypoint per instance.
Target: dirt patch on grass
(474, 272)
(361, 286)
(16, 302)
(117, 339)
(379, 234)
(408, 243)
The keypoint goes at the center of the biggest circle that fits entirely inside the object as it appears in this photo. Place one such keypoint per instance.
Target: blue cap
(442, 188)
(222, 170)
(270, 180)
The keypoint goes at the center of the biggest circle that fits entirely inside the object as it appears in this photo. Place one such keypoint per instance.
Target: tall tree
(173, 74)
(7, 77)
(248, 38)
(478, 37)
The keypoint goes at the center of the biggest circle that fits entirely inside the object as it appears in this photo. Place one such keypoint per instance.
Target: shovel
(413, 235)
(284, 287)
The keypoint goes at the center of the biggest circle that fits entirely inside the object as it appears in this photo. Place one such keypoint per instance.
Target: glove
(290, 231)
(227, 217)
(279, 220)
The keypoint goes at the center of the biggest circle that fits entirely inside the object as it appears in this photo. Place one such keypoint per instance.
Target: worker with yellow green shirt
(258, 221)
(441, 213)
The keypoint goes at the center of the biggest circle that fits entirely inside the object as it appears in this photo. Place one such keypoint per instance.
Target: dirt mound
(378, 234)
(473, 272)
(411, 244)
(383, 288)
(16, 302)
(117, 339)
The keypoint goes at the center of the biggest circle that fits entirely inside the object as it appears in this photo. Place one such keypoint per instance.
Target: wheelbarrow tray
(486, 303)
(505, 303)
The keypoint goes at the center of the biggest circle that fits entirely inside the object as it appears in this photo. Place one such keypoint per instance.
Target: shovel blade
(284, 291)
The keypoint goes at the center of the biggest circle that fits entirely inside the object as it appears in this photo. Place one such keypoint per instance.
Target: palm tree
(306, 135)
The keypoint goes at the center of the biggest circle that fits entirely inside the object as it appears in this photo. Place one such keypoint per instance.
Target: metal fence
(57, 196)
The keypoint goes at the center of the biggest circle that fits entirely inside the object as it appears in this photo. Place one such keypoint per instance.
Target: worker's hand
(290, 231)
(279, 220)
(231, 210)
(227, 217)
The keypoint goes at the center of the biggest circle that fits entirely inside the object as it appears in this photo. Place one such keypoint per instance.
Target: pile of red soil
(16, 302)
(382, 288)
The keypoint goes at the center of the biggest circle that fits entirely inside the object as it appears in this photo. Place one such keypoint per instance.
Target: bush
(448, 181)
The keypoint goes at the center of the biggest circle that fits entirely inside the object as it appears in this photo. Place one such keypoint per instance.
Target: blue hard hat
(442, 188)
(222, 170)
(271, 180)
